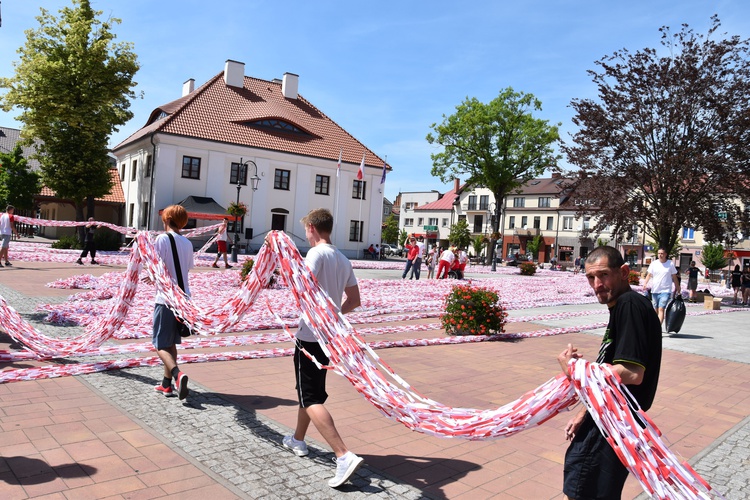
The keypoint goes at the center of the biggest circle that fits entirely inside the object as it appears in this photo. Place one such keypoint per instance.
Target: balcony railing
(475, 207)
(534, 231)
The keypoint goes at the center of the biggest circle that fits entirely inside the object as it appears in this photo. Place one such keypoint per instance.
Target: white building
(235, 127)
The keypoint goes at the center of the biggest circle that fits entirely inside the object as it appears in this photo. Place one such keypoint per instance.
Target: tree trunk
(79, 217)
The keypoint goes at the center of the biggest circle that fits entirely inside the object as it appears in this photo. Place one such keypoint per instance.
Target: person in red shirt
(411, 257)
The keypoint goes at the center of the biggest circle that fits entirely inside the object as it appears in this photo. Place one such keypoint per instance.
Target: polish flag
(361, 171)
(338, 165)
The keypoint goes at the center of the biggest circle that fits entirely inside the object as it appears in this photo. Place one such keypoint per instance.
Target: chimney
(234, 73)
(188, 87)
(556, 175)
(456, 185)
(290, 85)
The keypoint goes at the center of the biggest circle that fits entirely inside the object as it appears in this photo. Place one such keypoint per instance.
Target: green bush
(107, 240)
(247, 266)
(473, 311)
(527, 268)
(67, 242)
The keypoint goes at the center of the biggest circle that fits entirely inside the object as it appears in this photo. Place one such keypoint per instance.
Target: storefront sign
(565, 249)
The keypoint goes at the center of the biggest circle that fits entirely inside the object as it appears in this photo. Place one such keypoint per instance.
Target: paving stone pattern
(241, 446)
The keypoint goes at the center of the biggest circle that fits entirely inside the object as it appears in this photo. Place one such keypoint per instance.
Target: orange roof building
(238, 127)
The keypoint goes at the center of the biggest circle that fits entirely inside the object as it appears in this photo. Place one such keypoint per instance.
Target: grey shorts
(165, 333)
(6, 240)
(692, 284)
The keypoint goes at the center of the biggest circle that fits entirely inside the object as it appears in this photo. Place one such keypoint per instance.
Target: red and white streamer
(641, 450)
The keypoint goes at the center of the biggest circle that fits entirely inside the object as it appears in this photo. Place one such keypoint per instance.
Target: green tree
(389, 234)
(478, 244)
(18, 183)
(712, 256)
(459, 234)
(534, 245)
(660, 144)
(500, 145)
(402, 237)
(73, 85)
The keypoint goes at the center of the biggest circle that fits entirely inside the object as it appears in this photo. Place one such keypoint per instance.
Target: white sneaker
(345, 467)
(298, 447)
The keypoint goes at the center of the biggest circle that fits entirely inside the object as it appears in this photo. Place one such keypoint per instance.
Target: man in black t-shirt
(632, 345)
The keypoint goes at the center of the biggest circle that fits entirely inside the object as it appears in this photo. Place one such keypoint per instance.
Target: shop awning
(203, 208)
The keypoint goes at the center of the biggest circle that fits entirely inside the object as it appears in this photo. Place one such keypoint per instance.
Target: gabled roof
(445, 202)
(8, 139)
(222, 113)
(551, 186)
(116, 195)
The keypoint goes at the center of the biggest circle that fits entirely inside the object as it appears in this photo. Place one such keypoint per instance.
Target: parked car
(388, 250)
(516, 259)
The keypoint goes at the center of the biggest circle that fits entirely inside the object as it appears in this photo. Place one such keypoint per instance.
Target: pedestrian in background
(661, 274)
(692, 272)
(221, 245)
(411, 253)
(445, 263)
(89, 244)
(745, 286)
(431, 263)
(7, 230)
(736, 282)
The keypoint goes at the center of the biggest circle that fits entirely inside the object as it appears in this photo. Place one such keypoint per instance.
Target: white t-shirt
(448, 256)
(334, 274)
(661, 276)
(462, 257)
(223, 234)
(420, 244)
(185, 254)
(5, 224)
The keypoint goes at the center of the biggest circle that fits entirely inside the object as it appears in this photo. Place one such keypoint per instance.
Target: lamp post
(254, 180)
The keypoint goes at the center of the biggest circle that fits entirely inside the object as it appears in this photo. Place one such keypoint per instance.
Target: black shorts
(165, 333)
(592, 469)
(311, 381)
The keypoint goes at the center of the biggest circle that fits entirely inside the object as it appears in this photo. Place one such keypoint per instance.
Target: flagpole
(338, 184)
(362, 192)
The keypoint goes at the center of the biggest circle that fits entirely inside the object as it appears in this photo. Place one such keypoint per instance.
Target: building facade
(235, 131)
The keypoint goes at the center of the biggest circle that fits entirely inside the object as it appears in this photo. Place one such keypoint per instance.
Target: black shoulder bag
(182, 328)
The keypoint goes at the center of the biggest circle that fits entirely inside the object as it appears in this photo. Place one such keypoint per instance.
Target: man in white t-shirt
(7, 229)
(335, 276)
(661, 274)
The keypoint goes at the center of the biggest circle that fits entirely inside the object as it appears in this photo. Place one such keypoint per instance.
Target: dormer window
(277, 125)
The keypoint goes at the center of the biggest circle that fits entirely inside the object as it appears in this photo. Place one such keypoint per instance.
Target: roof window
(275, 124)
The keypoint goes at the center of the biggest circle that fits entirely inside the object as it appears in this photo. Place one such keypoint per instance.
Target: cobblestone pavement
(242, 447)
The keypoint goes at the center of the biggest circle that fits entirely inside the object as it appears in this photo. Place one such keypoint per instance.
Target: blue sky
(386, 70)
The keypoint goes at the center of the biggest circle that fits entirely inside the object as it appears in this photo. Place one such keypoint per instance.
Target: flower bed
(473, 311)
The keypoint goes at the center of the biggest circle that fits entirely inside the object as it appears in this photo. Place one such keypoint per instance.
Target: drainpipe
(557, 232)
(151, 188)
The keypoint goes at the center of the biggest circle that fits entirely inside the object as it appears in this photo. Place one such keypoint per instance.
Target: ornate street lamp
(254, 180)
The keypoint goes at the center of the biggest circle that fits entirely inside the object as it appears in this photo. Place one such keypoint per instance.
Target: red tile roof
(445, 202)
(115, 196)
(218, 112)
